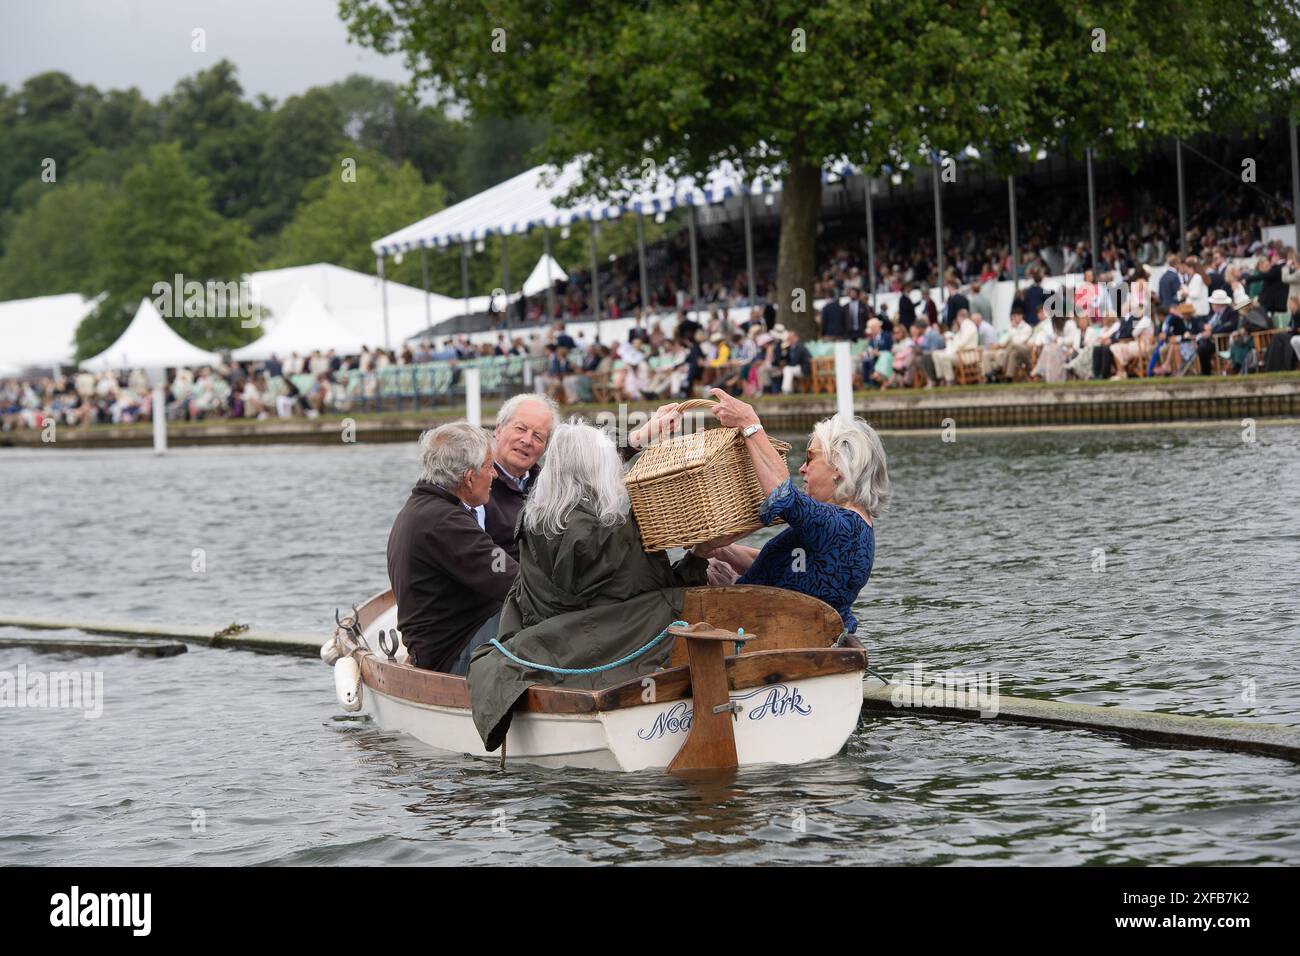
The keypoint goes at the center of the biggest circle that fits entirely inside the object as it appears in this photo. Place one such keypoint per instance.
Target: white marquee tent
(354, 299)
(149, 343)
(537, 283)
(39, 333)
(305, 327)
(536, 198)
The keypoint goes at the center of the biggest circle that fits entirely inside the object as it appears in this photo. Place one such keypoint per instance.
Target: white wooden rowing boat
(792, 694)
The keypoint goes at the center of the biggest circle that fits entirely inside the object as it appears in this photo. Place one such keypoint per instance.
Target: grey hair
(510, 408)
(582, 463)
(854, 450)
(450, 450)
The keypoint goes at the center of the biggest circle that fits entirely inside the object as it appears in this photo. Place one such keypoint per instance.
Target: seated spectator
(878, 359)
(928, 340)
(319, 395)
(1010, 353)
(796, 361)
(1093, 325)
(965, 337)
(1127, 342)
(255, 396)
(1058, 340)
(1222, 319)
(448, 576)
(1175, 348)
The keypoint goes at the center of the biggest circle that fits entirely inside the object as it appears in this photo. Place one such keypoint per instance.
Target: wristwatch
(749, 430)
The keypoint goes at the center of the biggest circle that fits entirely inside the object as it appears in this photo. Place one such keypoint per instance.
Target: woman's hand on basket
(668, 416)
(731, 411)
(666, 420)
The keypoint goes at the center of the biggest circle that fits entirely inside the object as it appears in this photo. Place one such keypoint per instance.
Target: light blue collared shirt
(519, 483)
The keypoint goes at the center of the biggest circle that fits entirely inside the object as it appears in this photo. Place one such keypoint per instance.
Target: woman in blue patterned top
(829, 544)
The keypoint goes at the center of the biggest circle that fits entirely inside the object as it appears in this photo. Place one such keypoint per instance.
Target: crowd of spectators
(1202, 316)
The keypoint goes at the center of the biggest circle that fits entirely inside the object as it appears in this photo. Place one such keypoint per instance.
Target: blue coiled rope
(586, 670)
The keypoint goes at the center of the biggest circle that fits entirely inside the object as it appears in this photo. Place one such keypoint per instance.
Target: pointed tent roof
(536, 283)
(306, 326)
(149, 342)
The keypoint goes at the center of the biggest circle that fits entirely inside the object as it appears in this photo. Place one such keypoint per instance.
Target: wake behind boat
(789, 694)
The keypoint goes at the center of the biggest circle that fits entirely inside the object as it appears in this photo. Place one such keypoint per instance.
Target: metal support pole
(383, 294)
(1015, 241)
(749, 247)
(424, 271)
(464, 275)
(1092, 212)
(550, 283)
(1295, 181)
(938, 227)
(1182, 201)
(595, 277)
(640, 252)
(695, 266)
(871, 247)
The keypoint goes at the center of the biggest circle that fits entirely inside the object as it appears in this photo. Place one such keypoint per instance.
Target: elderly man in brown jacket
(448, 575)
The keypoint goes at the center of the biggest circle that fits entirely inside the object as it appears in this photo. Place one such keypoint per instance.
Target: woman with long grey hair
(587, 595)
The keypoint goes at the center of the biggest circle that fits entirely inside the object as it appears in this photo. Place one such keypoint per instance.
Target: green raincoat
(591, 596)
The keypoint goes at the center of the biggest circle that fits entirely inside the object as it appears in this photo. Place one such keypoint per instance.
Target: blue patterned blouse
(838, 549)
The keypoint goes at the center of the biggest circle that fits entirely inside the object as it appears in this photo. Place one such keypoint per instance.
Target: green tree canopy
(53, 244)
(222, 135)
(792, 84)
(160, 224)
(340, 216)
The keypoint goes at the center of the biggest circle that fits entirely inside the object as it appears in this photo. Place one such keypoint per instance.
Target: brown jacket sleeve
(469, 556)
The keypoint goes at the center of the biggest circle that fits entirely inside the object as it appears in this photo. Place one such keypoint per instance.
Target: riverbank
(1265, 398)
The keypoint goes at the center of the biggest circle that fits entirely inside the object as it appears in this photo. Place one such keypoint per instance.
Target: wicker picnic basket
(694, 488)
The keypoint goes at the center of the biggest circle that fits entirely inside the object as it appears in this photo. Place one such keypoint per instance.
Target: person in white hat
(1222, 318)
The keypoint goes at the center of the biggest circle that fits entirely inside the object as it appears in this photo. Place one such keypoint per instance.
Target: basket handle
(695, 404)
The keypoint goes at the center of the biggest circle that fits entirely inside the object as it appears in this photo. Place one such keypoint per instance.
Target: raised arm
(769, 464)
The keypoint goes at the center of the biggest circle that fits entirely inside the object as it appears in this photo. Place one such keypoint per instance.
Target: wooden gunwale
(785, 618)
(744, 672)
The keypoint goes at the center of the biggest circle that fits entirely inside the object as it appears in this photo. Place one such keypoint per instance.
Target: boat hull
(788, 723)
(793, 702)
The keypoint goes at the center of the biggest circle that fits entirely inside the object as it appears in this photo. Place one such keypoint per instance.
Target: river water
(1154, 569)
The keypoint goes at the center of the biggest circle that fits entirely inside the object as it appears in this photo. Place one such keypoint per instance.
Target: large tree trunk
(801, 197)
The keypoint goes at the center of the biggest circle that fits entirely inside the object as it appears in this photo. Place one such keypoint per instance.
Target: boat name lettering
(669, 722)
(775, 701)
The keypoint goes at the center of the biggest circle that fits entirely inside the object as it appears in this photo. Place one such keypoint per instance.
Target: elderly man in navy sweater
(524, 426)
